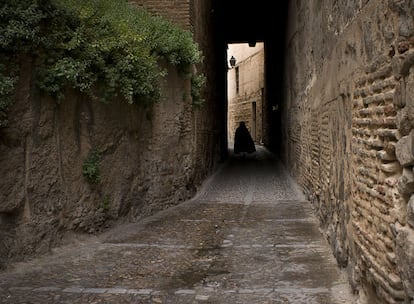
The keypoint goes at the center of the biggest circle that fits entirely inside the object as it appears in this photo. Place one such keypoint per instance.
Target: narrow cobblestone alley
(249, 236)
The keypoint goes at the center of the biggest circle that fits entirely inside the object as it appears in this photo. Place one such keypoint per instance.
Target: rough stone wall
(209, 121)
(348, 134)
(150, 160)
(208, 125)
(43, 191)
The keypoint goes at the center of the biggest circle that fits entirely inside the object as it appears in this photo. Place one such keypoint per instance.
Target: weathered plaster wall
(348, 134)
(152, 158)
(43, 191)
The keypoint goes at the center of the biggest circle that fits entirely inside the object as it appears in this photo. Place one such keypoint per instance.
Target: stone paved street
(249, 236)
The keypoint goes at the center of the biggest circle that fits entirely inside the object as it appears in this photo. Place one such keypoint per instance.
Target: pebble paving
(248, 236)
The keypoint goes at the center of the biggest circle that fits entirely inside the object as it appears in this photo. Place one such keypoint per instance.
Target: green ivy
(104, 48)
(106, 202)
(90, 168)
(197, 84)
(6, 89)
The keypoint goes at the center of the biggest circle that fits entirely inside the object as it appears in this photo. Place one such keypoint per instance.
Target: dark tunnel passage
(240, 22)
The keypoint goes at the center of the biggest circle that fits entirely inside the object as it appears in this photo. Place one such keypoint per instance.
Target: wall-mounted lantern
(232, 61)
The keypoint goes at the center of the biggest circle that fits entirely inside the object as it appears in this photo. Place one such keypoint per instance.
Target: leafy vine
(103, 48)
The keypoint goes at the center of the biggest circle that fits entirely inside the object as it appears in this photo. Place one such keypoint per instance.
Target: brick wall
(375, 177)
(348, 135)
(178, 11)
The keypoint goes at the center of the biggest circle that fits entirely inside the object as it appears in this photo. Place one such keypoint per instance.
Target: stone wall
(151, 158)
(178, 11)
(348, 134)
(43, 191)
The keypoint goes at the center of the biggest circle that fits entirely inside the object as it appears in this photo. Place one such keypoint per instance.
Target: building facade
(245, 89)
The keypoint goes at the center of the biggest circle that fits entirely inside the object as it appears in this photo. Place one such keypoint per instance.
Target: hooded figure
(243, 141)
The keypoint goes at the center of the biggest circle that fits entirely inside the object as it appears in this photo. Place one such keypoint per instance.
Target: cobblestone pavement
(249, 236)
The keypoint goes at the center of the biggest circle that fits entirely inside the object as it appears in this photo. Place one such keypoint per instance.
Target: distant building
(245, 89)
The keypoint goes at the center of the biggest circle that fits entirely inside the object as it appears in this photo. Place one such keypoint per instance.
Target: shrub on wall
(104, 48)
(6, 88)
(197, 85)
(90, 168)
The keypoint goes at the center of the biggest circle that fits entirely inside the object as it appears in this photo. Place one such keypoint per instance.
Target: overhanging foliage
(104, 48)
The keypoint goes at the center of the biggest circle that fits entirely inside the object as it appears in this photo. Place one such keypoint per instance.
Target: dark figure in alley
(243, 141)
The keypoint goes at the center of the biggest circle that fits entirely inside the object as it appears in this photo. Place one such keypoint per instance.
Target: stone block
(398, 213)
(385, 156)
(390, 148)
(405, 150)
(405, 257)
(404, 123)
(409, 96)
(410, 211)
(392, 167)
(401, 64)
(399, 95)
(407, 62)
(406, 181)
